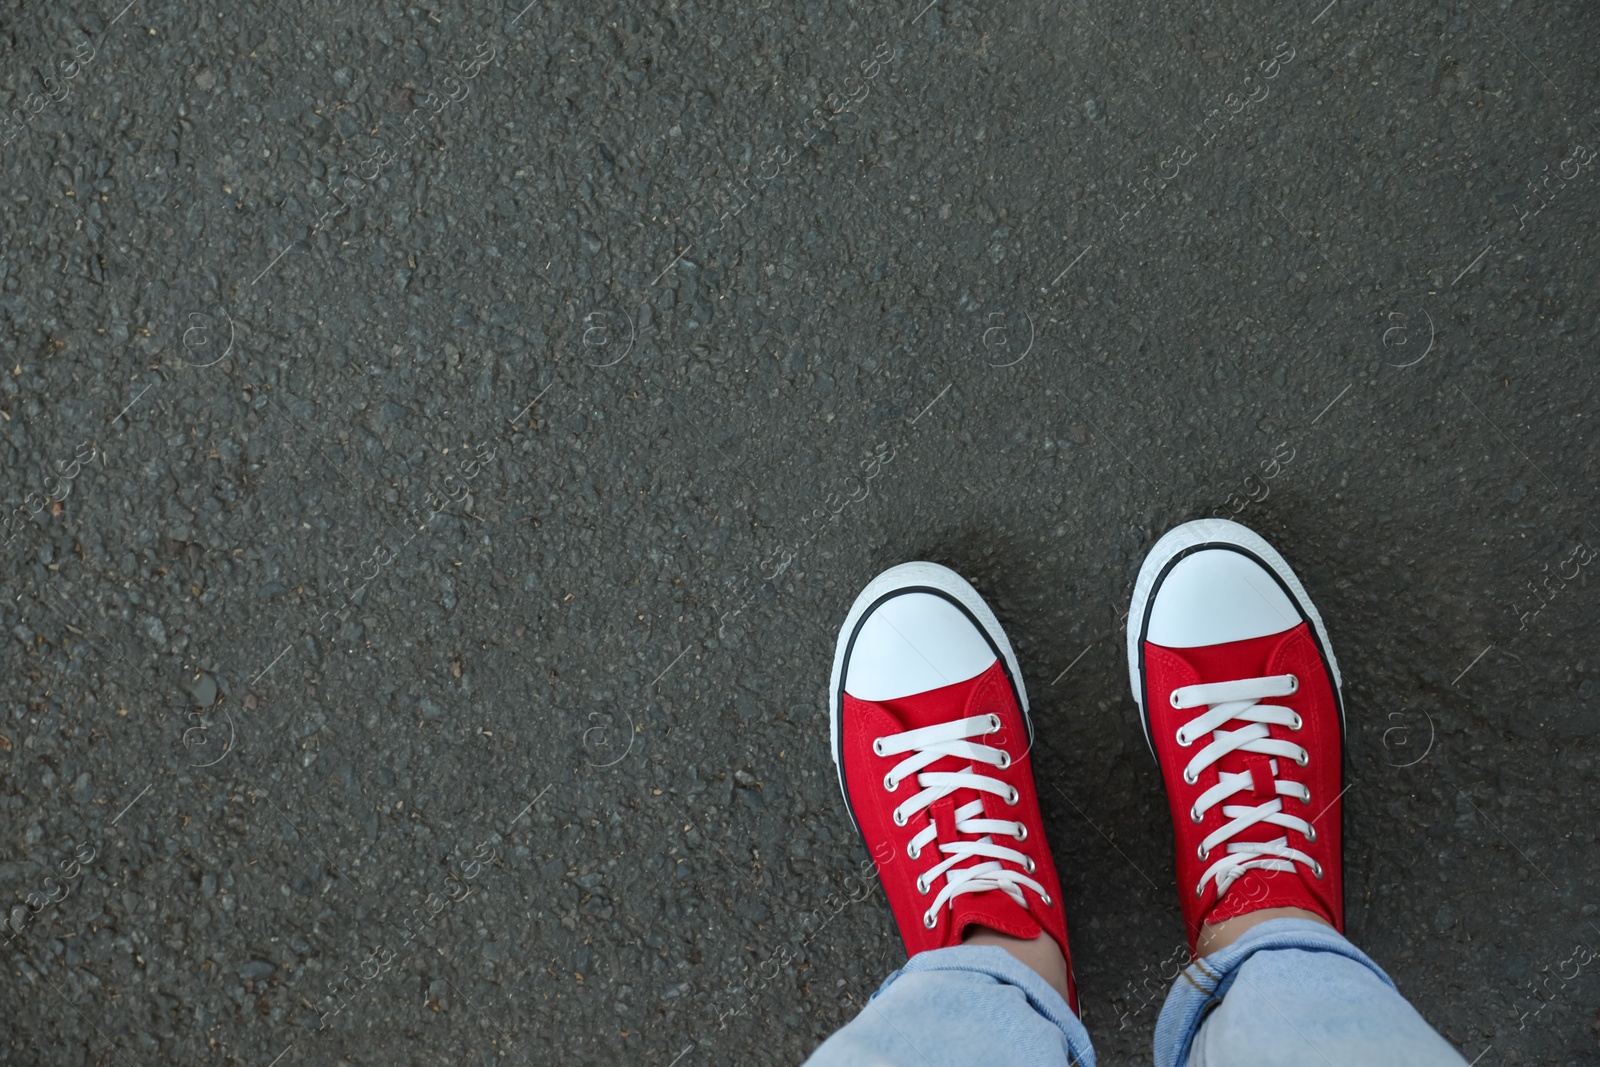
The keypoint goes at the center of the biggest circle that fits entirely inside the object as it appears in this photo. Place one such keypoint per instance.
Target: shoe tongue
(1253, 658)
(986, 693)
(978, 695)
(1230, 662)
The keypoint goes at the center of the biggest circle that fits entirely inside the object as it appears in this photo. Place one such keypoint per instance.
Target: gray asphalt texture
(441, 443)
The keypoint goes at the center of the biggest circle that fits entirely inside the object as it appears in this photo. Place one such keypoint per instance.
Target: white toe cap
(1215, 596)
(912, 643)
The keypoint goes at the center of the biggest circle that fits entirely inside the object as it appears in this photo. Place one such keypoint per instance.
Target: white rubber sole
(1222, 533)
(917, 576)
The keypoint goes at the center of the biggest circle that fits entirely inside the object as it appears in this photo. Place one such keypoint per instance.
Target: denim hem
(1002, 966)
(1202, 985)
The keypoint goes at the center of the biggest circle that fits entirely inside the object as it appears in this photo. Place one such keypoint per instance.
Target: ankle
(1040, 954)
(1215, 937)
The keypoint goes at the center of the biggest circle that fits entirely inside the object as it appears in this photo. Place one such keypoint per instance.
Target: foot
(931, 737)
(1238, 692)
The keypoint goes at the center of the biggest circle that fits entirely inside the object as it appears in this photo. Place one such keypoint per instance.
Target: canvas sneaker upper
(931, 738)
(1239, 697)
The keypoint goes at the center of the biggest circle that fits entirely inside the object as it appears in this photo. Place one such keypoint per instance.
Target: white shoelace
(926, 746)
(1226, 702)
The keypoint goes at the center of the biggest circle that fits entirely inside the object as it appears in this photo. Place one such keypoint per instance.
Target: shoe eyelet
(1005, 760)
(1294, 684)
(1316, 868)
(1200, 890)
(1184, 740)
(1014, 797)
(1046, 898)
(1302, 759)
(899, 819)
(930, 920)
(1311, 834)
(994, 724)
(890, 783)
(922, 886)
(1195, 816)
(1028, 864)
(1022, 832)
(913, 851)
(877, 746)
(1190, 779)
(1298, 722)
(1172, 698)
(1201, 852)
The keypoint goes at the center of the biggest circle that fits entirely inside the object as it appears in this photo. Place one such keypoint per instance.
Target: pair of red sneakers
(1238, 695)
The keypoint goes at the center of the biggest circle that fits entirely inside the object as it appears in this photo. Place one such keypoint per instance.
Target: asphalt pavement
(438, 445)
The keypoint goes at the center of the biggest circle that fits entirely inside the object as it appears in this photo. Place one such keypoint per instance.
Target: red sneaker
(931, 737)
(1238, 692)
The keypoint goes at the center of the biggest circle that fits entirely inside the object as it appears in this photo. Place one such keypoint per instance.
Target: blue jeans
(1289, 993)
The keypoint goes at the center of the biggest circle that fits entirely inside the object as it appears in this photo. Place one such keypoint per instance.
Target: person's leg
(931, 739)
(1293, 993)
(966, 1006)
(1238, 694)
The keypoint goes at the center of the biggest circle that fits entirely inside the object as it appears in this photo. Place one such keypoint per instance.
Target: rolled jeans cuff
(978, 991)
(1201, 986)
